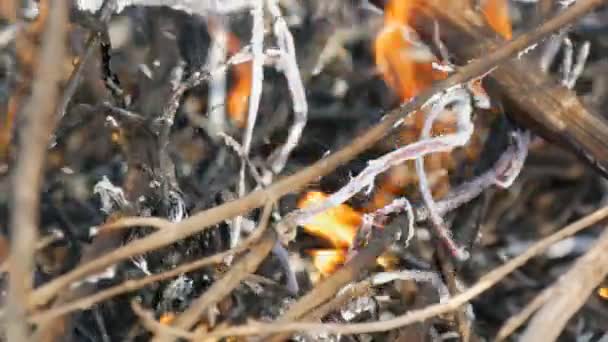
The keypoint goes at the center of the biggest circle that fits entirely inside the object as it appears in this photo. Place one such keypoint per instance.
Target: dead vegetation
(283, 170)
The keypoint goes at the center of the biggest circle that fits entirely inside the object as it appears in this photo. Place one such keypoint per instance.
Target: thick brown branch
(29, 169)
(531, 97)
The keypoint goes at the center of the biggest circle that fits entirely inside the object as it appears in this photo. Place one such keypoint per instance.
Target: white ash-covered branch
(366, 178)
(200, 7)
(287, 63)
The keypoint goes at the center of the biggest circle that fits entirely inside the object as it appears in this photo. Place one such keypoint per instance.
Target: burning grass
(194, 120)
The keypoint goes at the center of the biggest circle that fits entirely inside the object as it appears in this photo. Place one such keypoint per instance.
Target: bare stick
(521, 317)
(257, 77)
(216, 111)
(92, 42)
(201, 221)
(28, 174)
(450, 274)
(222, 287)
(569, 293)
(289, 65)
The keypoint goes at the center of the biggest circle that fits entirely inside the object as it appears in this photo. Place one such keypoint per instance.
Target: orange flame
(337, 225)
(407, 69)
(402, 65)
(407, 72)
(327, 261)
(497, 16)
(238, 95)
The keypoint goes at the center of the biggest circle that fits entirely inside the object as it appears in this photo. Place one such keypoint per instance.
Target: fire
(497, 16)
(407, 69)
(238, 95)
(327, 261)
(337, 225)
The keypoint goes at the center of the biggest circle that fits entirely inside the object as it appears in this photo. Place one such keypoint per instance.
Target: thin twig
(289, 65)
(257, 77)
(353, 269)
(166, 120)
(517, 320)
(450, 275)
(29, 170)
(463, 111)
(222, 287)
(216, 110)
(92, 43)
(203, 220)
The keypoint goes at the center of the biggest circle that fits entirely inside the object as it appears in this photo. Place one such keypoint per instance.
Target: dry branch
(205, 219)
(569, 293)
(28, 173)
(531, 97)
(516, 321)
